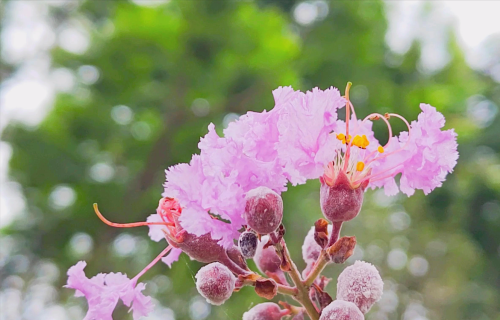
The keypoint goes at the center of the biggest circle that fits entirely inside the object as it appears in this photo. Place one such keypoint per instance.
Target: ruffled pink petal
(305, 124)
(433, 152)
(155, 231)
(103, 291)
(172, 257)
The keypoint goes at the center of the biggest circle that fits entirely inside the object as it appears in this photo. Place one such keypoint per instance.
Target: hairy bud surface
(263, 210)
(215, 283)
(341, 310)
(264, 311)
(360, 284)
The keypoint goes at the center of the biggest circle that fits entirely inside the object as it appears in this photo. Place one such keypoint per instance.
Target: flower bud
(267, 260)
(265, 311)
(310, 248)
(248, 244)
(215, 283)
(341, 310)
(340, 201)
(360, 284)
(263, 210)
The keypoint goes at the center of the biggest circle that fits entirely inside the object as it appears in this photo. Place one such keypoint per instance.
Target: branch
(302, 295)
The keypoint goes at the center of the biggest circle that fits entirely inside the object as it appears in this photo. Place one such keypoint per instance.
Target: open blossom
(305, 143)
(423, 155)
(104, 290)
(301, 138)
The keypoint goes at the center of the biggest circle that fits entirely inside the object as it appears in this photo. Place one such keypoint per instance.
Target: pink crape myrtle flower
(423, 155)
(104, 290)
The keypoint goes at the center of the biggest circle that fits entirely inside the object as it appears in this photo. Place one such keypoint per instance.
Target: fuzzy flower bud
(265, 311)
(267, 260)
(361, 284)
(215, 283)
(340, 201)
(248, 244)
(341, 310)
(263, 210)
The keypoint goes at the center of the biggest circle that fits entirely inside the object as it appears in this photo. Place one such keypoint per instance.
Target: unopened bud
(310, 248)
(340, 201)
(266, 259)
(341, 310)
(263, 210)
(360, 284)
(248, 244)
(215, 283)
(265, 311)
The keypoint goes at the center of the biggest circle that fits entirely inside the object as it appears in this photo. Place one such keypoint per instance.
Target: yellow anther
(364, 142)
(380, 149)
(360, 166)
(356, 141)
(349, 138)
(341, 137)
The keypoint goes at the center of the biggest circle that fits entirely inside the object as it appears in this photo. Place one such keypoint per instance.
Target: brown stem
(319, 265)
(302, 295)
(283, 289)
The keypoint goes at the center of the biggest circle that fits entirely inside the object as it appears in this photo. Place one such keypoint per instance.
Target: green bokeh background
(179, 66)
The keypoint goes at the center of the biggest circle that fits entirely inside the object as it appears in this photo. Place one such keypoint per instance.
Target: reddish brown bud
(266, 288)
(342, 249)
(266, 258)
(263, 210)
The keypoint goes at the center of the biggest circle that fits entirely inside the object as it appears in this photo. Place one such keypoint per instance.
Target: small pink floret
(360, 284)
(104, 290)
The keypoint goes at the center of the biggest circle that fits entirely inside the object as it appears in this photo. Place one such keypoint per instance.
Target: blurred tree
(152, 80)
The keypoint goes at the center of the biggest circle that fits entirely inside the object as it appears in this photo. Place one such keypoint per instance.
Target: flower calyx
(341, 250)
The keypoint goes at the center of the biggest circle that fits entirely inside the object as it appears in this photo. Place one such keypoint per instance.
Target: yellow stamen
(360, 166)
(365, 142)
(357, 141)
(380, 149)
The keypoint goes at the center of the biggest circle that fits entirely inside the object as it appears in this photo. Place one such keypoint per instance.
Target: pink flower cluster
(299, 140)
(104, 290)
